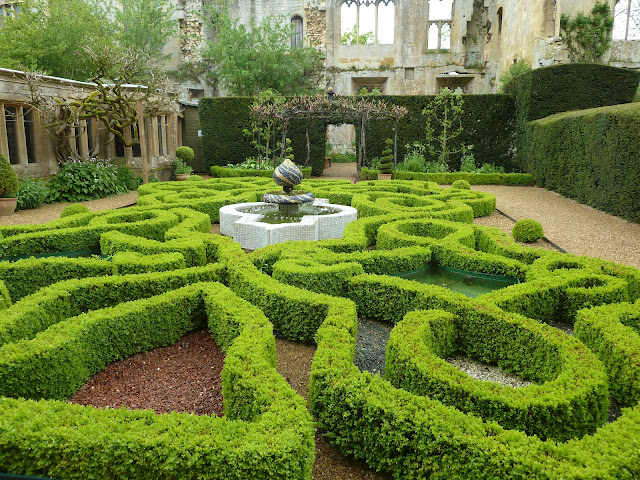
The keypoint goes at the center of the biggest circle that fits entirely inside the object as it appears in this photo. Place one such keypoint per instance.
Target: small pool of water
(471, 284)
(271, 213)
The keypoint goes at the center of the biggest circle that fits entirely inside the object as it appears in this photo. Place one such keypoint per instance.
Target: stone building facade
(428, 44)
(31, 151)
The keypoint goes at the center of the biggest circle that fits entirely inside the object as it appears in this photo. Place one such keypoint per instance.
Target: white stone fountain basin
(251, 234)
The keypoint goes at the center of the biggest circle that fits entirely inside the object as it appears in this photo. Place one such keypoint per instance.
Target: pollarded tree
(248, 60)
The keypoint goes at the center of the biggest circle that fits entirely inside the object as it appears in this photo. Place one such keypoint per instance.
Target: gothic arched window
(367, 22)
(626, 23)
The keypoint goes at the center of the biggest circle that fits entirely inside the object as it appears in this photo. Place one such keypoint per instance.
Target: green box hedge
(592, 156)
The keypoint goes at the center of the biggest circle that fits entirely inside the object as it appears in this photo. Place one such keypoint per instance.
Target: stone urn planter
(8, 206)
(182, 176)
(384, 176)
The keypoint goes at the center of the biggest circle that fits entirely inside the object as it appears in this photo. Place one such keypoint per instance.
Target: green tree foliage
(521, 66)
(443, 125)
(351, 37)
(588, 37)
(53, 36)
(145, 25)
(248, 60)
(50, 36)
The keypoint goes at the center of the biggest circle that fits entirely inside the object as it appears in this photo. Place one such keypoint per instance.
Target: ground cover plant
(423, 420)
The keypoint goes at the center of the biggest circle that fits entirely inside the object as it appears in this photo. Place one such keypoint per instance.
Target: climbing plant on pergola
(359, 110)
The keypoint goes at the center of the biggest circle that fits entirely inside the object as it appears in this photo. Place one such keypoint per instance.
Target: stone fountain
(285, 215)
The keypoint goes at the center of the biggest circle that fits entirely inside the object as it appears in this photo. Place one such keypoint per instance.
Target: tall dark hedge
(222, 120)
(573, 86)
(488, 123)
(591, 155)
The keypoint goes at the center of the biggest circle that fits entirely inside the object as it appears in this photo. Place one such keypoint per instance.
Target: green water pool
(471, 284)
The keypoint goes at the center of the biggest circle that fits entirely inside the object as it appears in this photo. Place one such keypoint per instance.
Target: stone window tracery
(439, 32)
(367, 22)
(626, 25)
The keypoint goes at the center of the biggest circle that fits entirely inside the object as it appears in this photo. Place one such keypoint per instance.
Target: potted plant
(181, 170)
(386, 161)
(8, 187)
(181, 167)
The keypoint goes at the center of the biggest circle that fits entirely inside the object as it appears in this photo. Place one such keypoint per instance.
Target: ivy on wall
(588, 37)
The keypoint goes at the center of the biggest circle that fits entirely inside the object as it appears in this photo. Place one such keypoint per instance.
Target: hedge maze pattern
(163, 274)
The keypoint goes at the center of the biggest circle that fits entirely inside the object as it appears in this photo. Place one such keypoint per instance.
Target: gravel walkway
(577, 228)
(52, 211)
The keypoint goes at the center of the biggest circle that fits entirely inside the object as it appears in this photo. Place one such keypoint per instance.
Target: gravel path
(577, 228)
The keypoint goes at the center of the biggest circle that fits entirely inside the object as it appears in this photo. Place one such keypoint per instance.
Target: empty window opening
(367, 22)
(297, 38)
(30, 138)
(626, 23)
(10, 114)
(439, 33)
(499, 20)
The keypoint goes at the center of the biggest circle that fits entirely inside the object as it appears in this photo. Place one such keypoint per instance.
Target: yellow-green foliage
(70, 317)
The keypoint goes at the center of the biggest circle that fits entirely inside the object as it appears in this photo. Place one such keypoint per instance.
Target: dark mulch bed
(184, 377)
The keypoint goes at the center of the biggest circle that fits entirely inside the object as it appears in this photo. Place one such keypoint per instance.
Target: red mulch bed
(184, 377)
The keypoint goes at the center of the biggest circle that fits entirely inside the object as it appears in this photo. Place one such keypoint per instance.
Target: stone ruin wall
(480, 51)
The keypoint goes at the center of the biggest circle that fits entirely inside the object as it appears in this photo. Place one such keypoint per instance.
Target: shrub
(195, 178)
(461, 185)
(180, 167)
(31, 193)
(8, 179)
(127, 180)
(83, 180)
(386, 160)
(74, 210)
(186, 154)
(343, 157)
(527, 230)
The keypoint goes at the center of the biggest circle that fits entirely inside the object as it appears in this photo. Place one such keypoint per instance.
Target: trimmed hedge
(596, 162)
(416, 437)
(545, 91)
(488, 120)
(612, 332)
(267, 432)
(223, 172)
(570, 400)
(472, 178)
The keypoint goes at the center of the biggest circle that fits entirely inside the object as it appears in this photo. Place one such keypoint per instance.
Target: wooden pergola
(358, 110)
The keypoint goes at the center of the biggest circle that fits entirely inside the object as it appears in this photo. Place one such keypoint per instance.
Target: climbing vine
(588, 37)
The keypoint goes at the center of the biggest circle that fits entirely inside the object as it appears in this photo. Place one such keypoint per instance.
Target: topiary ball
(74, 209)
(527, 230)
(186, 154)
(194, 178)
(461, 185)
(8, 179)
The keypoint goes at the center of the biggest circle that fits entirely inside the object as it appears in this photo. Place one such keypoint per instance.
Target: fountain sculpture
(286, 215)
